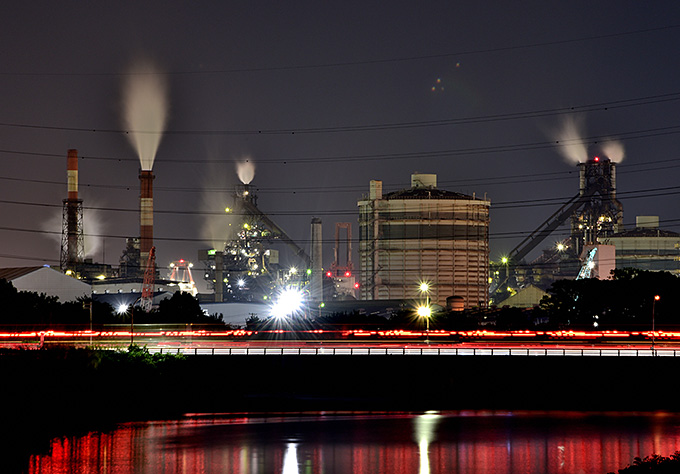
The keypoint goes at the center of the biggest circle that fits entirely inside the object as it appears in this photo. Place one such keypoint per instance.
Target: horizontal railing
(424, 351)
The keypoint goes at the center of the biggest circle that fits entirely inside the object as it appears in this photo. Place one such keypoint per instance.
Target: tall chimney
(72, 244)
(316, 281)
(146, 178)
(219, 277)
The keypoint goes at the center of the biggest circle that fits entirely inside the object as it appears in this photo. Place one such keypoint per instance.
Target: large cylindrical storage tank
(424, 235)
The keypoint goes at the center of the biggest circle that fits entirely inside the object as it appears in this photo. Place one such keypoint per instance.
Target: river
(474, 442)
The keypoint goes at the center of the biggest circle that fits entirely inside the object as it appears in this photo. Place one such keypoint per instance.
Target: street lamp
(424, 287)
(425, 311)
(123, 309)
(656, 298)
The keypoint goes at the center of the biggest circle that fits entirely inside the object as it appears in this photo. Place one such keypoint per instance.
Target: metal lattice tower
(72, 242)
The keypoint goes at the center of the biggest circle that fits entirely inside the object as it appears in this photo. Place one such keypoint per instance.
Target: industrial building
(424, 234)
(46, 280)
(647, 247)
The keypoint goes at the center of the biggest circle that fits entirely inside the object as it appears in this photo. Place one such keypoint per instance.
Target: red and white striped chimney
(72, 174)
(146, 178)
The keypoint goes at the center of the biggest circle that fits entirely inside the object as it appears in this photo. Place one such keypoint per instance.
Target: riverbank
(63, 391)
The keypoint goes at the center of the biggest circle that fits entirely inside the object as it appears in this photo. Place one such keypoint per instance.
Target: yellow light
(424, 311)
(227, 210)
(504, 260)
(560, 246)
(424, 287)
(101, 277)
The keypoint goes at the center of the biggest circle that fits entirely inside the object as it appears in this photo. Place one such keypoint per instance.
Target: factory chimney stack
(72, 243)
(316, 281)
(146, 178)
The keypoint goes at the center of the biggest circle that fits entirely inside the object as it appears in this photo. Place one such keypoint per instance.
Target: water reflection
(425, 426)
(290, 462)
(432, 443)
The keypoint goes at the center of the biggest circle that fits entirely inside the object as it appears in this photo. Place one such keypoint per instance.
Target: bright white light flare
(288, 303)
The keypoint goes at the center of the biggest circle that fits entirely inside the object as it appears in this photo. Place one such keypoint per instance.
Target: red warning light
(356, 285)
(597, 158)
(329, 274)
(348, 274)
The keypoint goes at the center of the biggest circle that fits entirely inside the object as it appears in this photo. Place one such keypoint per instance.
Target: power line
(637, 194)
(487, 181)
(595, 139)
(602, 106)
(339, 64)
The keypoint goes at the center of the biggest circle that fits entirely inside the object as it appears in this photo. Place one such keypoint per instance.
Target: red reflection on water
(188, 446)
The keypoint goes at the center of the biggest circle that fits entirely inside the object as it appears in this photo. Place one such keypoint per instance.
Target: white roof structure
(46, 280)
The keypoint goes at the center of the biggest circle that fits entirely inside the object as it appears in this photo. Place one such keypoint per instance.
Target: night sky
(324, 97)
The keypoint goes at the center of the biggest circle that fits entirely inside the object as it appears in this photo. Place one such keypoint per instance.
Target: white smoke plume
(613, 149)
(245, 171)
(145, 114)
(570, 142)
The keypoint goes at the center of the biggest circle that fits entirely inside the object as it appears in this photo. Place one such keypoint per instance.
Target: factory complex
(417, 245)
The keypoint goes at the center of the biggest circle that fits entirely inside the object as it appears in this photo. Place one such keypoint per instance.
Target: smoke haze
(571, 145)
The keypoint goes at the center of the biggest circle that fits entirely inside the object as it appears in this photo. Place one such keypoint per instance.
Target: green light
(212, 252)
(309, 271)
(322, 305)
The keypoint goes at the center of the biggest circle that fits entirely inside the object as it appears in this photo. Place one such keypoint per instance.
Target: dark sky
(234, 68)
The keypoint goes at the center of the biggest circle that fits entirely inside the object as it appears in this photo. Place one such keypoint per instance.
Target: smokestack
(146, 178)
(219, 277)
(72, 244)
(316, 281)
(72, 174)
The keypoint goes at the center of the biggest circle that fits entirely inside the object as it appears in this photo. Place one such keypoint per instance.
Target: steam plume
(245, 171)
(613, 149)
(571, 145)
(145, 110)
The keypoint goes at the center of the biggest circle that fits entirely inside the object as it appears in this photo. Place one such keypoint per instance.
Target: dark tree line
(26, 310)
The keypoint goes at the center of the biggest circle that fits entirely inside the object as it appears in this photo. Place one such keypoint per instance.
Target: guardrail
(420, 351)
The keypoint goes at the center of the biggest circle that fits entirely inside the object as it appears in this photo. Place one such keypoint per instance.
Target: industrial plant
(597, 244)
(423, 234)
(416, 244)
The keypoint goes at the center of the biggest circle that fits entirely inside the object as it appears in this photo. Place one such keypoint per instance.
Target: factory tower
(72, 243)
(424, 234)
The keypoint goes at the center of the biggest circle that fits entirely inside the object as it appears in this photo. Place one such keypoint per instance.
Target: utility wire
(338, 64)
(595, 139)
(637, 194)
(602, 106)
(487, 181)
